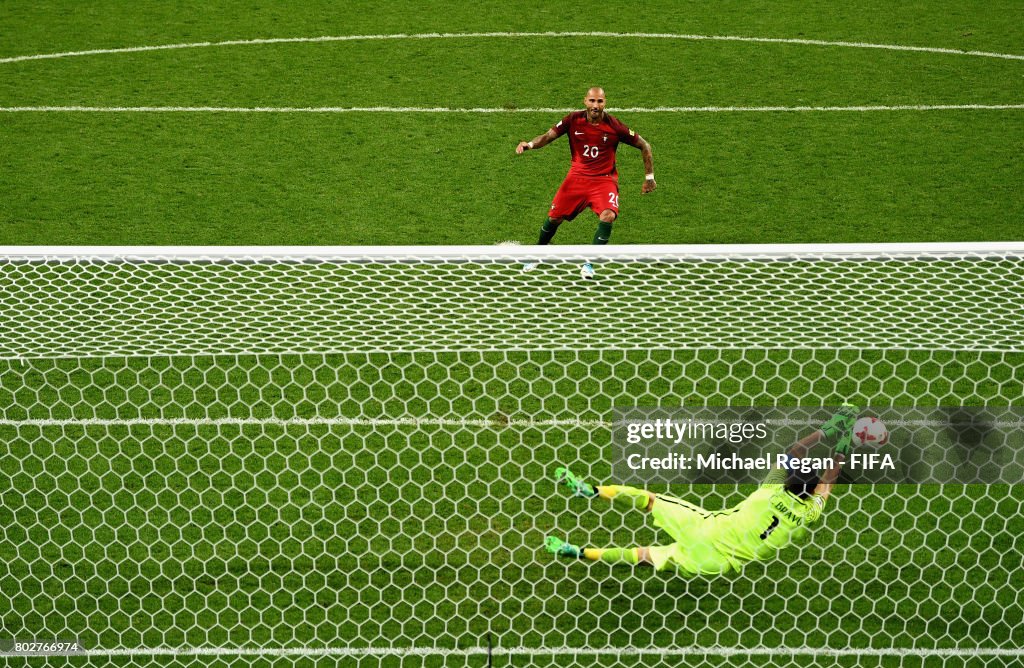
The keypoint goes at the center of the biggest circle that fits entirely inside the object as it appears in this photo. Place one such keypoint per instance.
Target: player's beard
(594, 114)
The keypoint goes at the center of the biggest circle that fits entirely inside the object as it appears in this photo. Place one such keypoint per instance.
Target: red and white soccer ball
(870, 431)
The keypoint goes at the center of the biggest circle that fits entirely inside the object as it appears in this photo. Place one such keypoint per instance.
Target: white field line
(287, 422)
(485, 35)
(413, 421)
(500, 110)
(556, 651)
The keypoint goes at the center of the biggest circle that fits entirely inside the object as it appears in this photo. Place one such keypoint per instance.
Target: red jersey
(593, 146)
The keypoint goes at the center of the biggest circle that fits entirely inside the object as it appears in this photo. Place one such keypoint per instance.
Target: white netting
(656, 299)
(378, 494)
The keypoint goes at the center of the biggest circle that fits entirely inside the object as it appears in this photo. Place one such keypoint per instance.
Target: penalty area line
(502, 110)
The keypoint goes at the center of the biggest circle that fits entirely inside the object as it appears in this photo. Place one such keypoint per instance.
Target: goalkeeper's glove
(841, 423)
(844, 447)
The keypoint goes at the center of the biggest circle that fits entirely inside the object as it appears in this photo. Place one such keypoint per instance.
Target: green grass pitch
(402, 178)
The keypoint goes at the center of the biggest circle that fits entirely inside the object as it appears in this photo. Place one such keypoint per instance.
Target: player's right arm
(560, 128)
(537, 142)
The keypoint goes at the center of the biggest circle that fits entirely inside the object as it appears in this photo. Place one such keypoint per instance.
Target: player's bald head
(593, 101)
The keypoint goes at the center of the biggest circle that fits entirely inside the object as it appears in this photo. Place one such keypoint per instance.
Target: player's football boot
(575, 485)
(587, 270)
(562, 548)
(841, 424)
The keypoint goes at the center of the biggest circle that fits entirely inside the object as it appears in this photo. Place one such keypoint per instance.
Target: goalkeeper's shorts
(693, 552)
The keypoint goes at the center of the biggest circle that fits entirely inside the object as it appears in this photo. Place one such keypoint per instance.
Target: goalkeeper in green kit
(709, 543)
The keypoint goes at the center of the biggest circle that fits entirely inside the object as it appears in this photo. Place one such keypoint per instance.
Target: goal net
(254, 456)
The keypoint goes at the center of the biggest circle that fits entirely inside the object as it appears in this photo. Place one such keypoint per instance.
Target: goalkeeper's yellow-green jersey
(764, 523)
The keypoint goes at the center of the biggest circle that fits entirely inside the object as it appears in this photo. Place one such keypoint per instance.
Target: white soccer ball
(870, 431)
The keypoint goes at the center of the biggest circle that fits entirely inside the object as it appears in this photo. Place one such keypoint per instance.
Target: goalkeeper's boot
(530, 266)
(587, 270)
(575, 485)
(561, 548)
(841, 423)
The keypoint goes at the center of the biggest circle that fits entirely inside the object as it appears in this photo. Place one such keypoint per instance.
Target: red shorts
(578, 192)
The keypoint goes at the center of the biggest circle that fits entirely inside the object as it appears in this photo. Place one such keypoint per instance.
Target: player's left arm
(828, 478)
(633, 139)
(645, 150)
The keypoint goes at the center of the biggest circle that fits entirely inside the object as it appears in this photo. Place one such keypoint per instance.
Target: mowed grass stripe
(449, 179)
(513, 35)
(427, 73)
(496, 110)
(972, 25)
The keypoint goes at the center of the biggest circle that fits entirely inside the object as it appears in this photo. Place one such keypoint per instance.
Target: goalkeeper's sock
(603, 233)
(547, 231)
(613, 555)
(622, 495)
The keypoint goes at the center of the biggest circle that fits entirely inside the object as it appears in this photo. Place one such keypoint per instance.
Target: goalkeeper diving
(710, 543)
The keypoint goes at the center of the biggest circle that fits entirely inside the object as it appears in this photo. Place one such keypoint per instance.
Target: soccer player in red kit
(592, 180)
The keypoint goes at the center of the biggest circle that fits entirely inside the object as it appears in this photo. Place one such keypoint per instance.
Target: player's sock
(603, 233)
(613, 555)
(547, 231)
(622, 495)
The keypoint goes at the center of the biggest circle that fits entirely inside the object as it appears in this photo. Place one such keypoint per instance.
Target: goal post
(265, 454)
